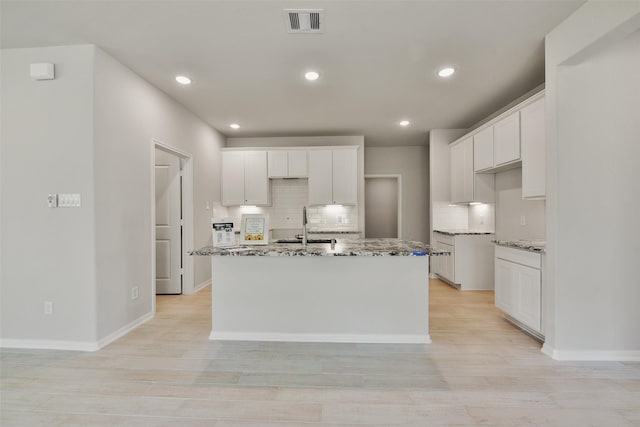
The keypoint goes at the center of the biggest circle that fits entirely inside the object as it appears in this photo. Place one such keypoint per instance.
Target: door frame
(186, 165)
(398, 179)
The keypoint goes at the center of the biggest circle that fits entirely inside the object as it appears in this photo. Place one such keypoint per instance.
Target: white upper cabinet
(333, 177)
(287, 163)
(345, 177)
(462, 175)
(256, 182)
(497, 147)
(533, 150)
(297, 161)
(483, 149)
(466, 185)
(506, 140)
(244, 178)
(320, 177)
(232, 178)
(278, 164)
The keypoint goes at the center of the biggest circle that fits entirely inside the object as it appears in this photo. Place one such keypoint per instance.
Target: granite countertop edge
(464, 232)
(333, 232)
(526, 245)
(344, 247)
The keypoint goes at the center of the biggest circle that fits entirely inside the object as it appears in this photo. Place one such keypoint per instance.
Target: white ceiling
(377, 59)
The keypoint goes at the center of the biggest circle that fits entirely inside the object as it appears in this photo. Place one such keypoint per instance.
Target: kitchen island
(362, 291)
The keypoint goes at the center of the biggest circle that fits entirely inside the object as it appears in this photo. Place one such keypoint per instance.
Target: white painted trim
(50, 344)
(124, 330)
(519, 106)
(75, 345)
(592, 355)
(329, 338)
(188, 227)
(202, 286)
(293, 147)
(187, 213)
(398, 178)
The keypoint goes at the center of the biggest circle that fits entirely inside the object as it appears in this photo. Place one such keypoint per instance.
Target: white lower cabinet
(443, 266)
(518, 286)
(470, 265)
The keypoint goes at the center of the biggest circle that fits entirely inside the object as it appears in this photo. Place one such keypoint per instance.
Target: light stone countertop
(527, 245)
(343, 247)
(463, 232)
(333, 232)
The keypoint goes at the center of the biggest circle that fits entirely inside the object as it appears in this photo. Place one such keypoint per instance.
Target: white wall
(592, 292)
(314, 141)
(47, 147)
(129, 113)
(412, 164)
(88, 131)
(510, 207)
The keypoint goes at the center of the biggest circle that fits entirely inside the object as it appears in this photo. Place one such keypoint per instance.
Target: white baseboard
(592, 355)
(329, 338)
(75, 345)
(202, 285)
(124, 330)
(50, 344)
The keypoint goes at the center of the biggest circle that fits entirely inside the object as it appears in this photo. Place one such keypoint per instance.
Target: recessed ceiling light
(311, 75)
(405, 123)
(446, 72)
(183, 80)
(234, 126)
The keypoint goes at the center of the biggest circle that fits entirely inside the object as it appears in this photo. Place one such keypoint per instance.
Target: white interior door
(381, 207)
(168, 224)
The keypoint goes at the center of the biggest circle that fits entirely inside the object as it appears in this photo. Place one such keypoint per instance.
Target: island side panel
(372, 299)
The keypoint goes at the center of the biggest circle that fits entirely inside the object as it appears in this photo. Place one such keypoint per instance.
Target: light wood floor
(479, 371)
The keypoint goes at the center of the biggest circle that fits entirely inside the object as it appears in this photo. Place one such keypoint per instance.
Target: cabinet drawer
(444, 238)
(519, 256)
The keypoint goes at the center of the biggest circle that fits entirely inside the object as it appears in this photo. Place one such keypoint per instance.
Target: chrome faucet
(304, 226)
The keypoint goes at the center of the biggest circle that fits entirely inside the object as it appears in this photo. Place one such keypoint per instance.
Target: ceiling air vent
(309, 21)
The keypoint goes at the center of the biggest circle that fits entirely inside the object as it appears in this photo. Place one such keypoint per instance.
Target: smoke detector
(304, 21)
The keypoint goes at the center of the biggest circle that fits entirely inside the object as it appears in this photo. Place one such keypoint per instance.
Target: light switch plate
(69, 200)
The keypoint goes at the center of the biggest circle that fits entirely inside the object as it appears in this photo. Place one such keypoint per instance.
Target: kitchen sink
(300, 241)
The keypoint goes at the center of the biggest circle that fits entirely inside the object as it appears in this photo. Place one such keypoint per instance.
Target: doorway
(171, 173)
(169, 222)
(382, 206)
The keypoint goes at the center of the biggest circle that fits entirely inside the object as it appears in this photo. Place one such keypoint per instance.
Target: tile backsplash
(463, 217)
(288, 197)
(450, 217)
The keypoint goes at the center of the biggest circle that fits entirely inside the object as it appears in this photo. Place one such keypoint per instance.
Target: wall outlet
(48, 307)
(523, 220)
(135, 292)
